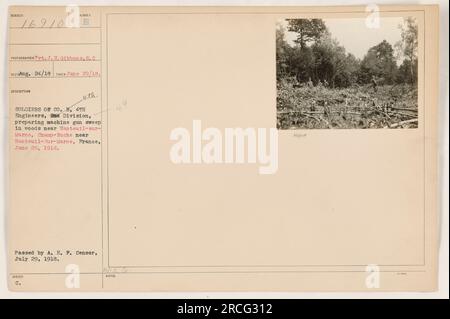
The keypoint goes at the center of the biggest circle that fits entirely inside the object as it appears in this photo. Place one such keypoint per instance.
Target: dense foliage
(319, 58)
(320, 85)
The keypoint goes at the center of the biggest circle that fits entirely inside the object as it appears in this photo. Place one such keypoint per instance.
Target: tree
(308, 30)
(332, 64)
(407, 72)
(302, 63)
(282, 51)
(407, 48)
(379, 62)
(349, 74)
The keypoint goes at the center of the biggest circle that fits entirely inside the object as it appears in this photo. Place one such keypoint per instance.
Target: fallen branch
(318, 112)
(313, 117)
(404, 122)
(319, 119)
(403, 109)
(406, 114)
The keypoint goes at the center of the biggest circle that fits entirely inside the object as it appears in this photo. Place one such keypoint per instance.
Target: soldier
(298, 77)
(326, 110)
(296, 80)
(374, 83)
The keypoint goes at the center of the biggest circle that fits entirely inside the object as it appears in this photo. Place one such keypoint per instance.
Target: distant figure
(374, 83)
(326, 110)
(297, 81)
(325, 83)
(298, 77)
(310, 83)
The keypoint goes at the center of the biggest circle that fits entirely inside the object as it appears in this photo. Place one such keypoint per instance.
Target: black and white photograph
(347, 73)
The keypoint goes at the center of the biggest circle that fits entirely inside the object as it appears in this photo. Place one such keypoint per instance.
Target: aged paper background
(341, 199)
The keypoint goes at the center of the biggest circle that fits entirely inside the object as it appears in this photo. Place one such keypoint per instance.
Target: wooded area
(320, 85)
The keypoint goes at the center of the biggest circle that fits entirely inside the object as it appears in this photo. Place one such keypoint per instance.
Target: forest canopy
(315, 57)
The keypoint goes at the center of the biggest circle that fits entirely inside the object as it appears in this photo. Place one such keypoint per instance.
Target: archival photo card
(185, 148)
